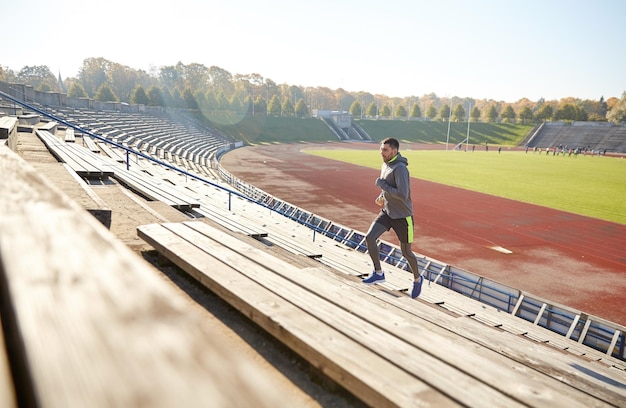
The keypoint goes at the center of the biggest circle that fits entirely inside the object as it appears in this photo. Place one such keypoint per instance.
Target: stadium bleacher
(432, 350)
(591, 136)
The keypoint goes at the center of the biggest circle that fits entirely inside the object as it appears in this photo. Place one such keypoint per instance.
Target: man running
(396, 213)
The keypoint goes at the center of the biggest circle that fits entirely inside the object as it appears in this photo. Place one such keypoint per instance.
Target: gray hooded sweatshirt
(395, 182)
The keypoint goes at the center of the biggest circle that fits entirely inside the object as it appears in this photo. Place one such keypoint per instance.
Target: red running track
(569, 259)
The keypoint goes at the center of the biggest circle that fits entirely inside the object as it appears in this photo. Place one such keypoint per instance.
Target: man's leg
(410, 257)
(375, 231)
(404, 231)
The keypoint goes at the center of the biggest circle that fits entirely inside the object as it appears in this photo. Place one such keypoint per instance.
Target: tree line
(210, 89)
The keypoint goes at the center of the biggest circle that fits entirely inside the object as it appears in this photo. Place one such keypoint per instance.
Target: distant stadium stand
(596, 136)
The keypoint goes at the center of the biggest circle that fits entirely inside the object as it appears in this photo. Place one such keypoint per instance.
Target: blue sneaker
(375, 278)
(417, 288)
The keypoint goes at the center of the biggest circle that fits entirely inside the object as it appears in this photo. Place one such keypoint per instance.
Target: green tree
(39, 77)
(416, 112)
(617, 113)
(105, 94)
(176, 99)
(122, 80)
(508, 114)
(581, 114)
(444, 112)
(475, 114)
(172, 76)
(431, 112)
(190, 100)
(76, 90)
(301, 109)
(459, 113)
(565, 112)
(526, 115)
(355, 109)
(168, 99)
(492, 114)
(385, 111)
(196, 76)
(260, 105)
(210, 102)
(372, 110)
(222, 102)
(155, 96)
(544, 113)
(288, 108)
(93, 74)
(401, 111)
(274, 106)
(139, 96)
(221, 80)
(235, 104)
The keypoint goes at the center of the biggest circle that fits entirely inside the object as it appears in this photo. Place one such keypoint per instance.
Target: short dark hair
(392, 142)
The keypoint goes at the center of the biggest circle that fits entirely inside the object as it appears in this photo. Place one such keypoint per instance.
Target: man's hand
(380, 201)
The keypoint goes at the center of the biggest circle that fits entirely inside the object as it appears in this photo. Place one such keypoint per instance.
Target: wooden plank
(327, 349)
(7, 390)
(447, 357)
(567, 368)
(98, 326)
(497, 378)
(49, 126)
(69, 136)
(91, 145)
(75, 156)
(154, 189)
(113, 153)
(227, 220)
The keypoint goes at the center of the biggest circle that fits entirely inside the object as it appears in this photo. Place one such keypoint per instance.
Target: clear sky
(485, 49)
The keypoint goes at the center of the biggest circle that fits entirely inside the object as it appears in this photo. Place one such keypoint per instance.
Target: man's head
(389, 148)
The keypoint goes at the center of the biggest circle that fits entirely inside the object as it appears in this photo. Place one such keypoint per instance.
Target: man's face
(387, 152)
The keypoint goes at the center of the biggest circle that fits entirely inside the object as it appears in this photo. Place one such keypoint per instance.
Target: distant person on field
(396, 213)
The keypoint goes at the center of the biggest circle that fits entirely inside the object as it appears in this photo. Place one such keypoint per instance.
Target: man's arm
(401, 177)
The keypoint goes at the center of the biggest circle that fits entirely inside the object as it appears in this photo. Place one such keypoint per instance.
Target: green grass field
(585, 185)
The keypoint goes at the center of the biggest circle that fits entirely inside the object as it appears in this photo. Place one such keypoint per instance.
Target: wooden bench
(90, 324)
(229, 221)
(8, 127)
(49, 126)
(70, 137)
(151, 187)
(90, 144)
(116, 154)
(76, 157)
(382, 354)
